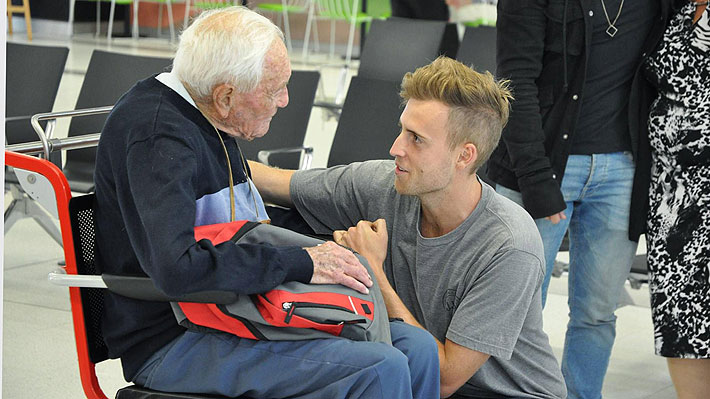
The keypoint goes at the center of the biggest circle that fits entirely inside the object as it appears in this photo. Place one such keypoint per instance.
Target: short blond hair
(478, 104)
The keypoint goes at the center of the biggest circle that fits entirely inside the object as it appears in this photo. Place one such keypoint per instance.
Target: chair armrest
(306, 160)
(18, 118)
(332, 108)
(141, 288)
(51, 117)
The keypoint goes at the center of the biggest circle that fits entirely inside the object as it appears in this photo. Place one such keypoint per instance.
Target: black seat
(368, 124)
(288, 127)
(399, 45)
(108, 76)
(478, 48)
(31, 88)
(394, 47)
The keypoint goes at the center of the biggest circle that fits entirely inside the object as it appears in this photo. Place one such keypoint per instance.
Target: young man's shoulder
(372, 179)
(513, 224)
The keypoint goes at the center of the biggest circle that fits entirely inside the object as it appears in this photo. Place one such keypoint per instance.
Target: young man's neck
(444, 211)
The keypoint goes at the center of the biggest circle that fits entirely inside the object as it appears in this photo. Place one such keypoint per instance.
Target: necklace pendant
(611, 30)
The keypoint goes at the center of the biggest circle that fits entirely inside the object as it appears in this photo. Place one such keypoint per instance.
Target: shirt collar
(171, 80)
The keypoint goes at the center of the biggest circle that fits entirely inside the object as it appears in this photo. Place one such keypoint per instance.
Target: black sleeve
(521, 28)
(162, 172)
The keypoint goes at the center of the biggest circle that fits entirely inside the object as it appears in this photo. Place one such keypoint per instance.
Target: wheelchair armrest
(306, 162)
(141, 288)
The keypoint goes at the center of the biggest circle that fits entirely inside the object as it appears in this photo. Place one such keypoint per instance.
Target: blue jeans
(597, 191)
(224, 364)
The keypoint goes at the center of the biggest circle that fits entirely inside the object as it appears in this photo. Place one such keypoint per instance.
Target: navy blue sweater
(161, 169)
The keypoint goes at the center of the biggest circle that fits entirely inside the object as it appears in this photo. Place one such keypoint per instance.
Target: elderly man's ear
(224, 99)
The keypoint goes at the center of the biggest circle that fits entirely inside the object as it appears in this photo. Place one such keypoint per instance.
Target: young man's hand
(369, 239)
(557, 217)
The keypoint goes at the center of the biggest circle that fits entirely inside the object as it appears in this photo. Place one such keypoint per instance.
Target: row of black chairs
(32, 87)
(396, 46)
(385, 57)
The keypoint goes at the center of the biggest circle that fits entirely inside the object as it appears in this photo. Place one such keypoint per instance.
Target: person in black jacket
(168, 161)
(571, 153)
(436, 10)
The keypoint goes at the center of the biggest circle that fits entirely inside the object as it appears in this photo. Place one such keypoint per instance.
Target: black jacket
(548, 84)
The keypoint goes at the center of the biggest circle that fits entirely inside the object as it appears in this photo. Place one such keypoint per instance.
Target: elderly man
(168, 161)
(461, 261)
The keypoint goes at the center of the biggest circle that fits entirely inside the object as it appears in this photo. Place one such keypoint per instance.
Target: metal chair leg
(287, 28)
(110, 20)
(134, 32)
(160, 19)
(44, 220)
(186, 19)
(170, 21)
(98, 18)
(22, 206)
(309, 22)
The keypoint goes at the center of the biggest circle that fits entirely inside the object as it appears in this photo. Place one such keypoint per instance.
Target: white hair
(226, 45)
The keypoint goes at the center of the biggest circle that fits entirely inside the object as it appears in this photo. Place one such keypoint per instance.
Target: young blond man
(451, 255)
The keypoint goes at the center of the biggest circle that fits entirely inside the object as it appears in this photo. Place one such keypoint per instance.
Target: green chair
(379, 9)
(205, 5)
(336, 10)
(282, 9)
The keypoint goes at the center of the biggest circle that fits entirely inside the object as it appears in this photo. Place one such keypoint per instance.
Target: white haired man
(168, 161)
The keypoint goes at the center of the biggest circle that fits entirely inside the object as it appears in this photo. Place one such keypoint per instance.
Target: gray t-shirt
(478, 286)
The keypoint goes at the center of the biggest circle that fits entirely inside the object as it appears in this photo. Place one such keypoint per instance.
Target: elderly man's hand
(333, 264)
(369, 239)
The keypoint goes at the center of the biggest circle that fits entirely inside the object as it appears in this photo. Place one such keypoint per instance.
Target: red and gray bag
(293, 310)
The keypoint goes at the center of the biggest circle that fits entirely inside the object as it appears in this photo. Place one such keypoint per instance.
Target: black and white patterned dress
(679, 217)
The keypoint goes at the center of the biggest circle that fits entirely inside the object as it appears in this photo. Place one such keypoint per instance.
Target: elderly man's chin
(255, 132)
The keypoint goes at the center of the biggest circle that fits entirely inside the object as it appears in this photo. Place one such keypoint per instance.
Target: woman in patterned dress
(678, 233)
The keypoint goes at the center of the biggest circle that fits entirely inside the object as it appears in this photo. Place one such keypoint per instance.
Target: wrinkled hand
(333, 264)
(556, 217)
(367, 238)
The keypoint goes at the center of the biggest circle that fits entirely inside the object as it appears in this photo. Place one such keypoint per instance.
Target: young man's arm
(457, 363)
(272, 183)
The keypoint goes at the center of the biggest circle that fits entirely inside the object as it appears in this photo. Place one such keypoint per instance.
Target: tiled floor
(39, 359)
